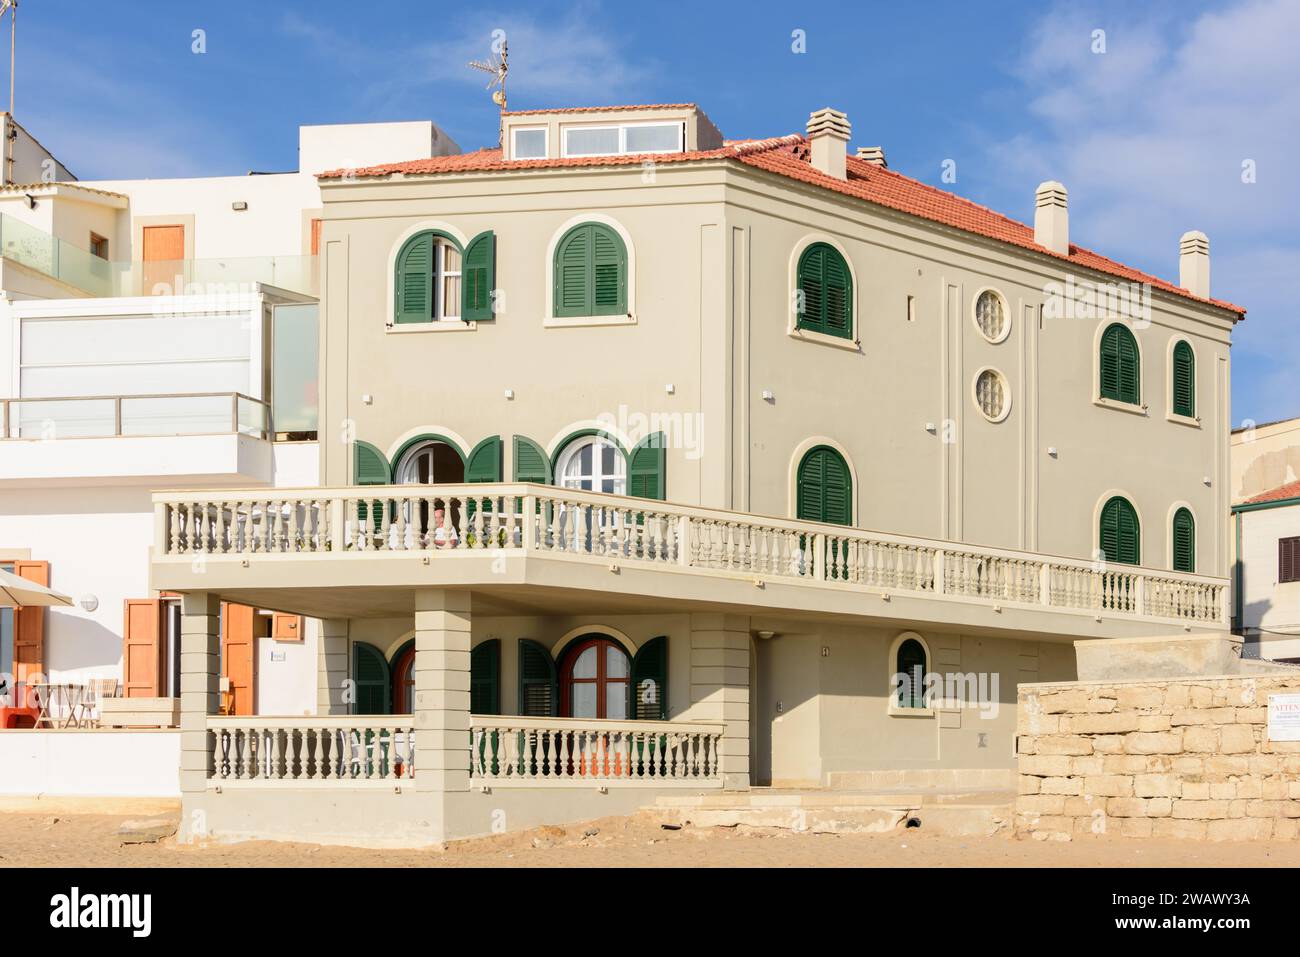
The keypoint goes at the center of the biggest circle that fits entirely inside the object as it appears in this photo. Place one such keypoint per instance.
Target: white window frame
(514, 141)
(622, 137)
(598, 475)
(440, 276)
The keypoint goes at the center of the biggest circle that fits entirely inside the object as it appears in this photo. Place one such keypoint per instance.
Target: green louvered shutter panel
(824, 488)
(609, 272)
(539, 689)
(1119, 365)
(478, 278)
(414, 293)
(1184, 380)
(371, 677)
(530, 462)
(485, 677)
(812, 265)
(484, 462)
(1119, 534)
(645, 471)
(1129, 388)
(650, 681)
(369, 467)
(573, 273)
(1184, 541)
(839, 295)
(911, 662)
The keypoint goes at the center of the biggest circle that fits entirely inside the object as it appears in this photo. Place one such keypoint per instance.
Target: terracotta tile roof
(788, 156)
(1289, 490)
(605, 109)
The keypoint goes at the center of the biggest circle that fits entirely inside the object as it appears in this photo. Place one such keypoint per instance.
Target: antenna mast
(10, 133)
(497, 65)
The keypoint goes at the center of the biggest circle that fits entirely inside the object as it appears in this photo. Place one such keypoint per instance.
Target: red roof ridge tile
(1282, 492)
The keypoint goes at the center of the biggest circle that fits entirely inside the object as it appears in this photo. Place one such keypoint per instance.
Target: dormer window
(623, 139)
(530, 143)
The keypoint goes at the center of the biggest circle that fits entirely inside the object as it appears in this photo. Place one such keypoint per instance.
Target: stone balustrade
(335, 750)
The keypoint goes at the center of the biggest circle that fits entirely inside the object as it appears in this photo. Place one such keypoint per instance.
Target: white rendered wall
(1266, 604)
(102, 763)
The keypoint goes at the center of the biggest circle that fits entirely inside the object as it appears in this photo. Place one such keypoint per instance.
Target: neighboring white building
(158, 333)
(1267, 574)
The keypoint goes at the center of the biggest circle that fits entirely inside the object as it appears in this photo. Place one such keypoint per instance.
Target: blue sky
(1149, 136)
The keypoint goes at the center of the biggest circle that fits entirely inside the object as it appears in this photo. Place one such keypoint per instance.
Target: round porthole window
(991, 316)
(992, 395)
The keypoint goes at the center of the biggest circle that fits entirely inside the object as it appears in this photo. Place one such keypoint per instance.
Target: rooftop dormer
(607, 131)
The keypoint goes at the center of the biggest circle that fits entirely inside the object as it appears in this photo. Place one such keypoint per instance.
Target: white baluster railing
(339, 750)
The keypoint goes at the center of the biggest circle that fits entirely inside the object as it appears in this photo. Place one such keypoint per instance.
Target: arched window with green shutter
(428, 285)
(485, 677)
(590, 272)
(825, 292)
(824, 487)
(371, 680)
(1184, 541)
(1120, 369)
(539, 695)
(1183, 380)
(1120, 535)
(909, 669)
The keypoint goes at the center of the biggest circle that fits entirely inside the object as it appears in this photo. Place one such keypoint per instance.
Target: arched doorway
(404, 679)
(595, 679)
(431, 462)
(824, 487)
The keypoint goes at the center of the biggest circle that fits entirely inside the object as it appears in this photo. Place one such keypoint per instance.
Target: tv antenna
(11, 7)
(497, 65)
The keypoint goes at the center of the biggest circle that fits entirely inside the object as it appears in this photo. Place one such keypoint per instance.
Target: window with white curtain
(594, 464)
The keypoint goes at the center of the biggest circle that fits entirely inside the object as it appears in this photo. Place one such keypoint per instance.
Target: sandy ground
(79, 839)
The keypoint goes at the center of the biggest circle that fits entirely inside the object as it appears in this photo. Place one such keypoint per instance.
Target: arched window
(910, 668)
(825, 300)
(824, 490)
(1183, 380)
(596, 679)
(593, 463)
(1120, 536)
(428, 280)
(430, 462)
(1120, 371)
(1184, 541)
(590, 272)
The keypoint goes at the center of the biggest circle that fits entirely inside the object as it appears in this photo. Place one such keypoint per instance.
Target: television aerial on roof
(497, 65)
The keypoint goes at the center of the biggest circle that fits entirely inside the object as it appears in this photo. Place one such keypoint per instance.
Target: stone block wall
(1174, 758)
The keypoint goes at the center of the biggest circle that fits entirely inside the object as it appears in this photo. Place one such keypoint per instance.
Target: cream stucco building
(650, 460)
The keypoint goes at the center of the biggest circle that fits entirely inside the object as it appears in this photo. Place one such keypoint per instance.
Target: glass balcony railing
(209, 413)
(36, 249)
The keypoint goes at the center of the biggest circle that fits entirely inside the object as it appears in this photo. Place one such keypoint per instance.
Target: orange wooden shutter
(142, 652)
(286, 627)
(29, 627)
(315, 237)
(165, 246)
(238, 653)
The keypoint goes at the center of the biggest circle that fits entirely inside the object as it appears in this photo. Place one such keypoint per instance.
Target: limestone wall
(1178, 757)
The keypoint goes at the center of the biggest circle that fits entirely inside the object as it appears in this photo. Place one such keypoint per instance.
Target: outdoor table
(70, 696)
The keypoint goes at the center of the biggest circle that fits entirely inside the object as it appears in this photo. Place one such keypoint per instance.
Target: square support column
(442, 646)
(200, 685)
(720, 688)
(332, 666)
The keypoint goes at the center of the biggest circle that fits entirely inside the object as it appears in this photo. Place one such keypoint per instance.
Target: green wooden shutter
(369, 467)
(645, 472)
(485, 677)
(824, 490)
(827, 287)
(911, 662)
(413, 294)
(650, 681)
(478, 278)
(608, 272)
(530, 462)
(1120, 372)
(372, 680)
(539, 688)
(1120, 534)
(1184, 380)
(1184, 541)
(573, 273)
(484, 462)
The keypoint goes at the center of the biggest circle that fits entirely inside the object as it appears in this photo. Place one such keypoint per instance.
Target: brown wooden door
(238, 657)
(29, 628)
(142, 648)
(163, 254)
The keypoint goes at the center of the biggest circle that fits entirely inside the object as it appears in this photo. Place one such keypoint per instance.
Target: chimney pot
(873, 154)
(828, 136)
(1052, 217)
(1194, 263)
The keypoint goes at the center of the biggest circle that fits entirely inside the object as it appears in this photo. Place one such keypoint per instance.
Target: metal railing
(107, 416)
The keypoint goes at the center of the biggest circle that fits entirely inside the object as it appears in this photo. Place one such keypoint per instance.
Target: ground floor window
(596, 680)
(909, 670)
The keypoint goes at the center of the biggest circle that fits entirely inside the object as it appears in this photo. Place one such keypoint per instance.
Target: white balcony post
(200, 692)
(1139, 595)
(1045, 584)
(332, 666)
(338, 524)
(442, 645)
(684, 540)
(819, 556)
(938, 572)
(529, 518)
(720, 688)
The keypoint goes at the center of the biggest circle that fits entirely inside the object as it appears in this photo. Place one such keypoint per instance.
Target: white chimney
(873, 154)
(828, 137)
(1052, 217)
(1194, 263)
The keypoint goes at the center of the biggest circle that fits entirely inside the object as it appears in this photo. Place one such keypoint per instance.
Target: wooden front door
(597, 675)
(29, 628)
(163, 253)
(239, 658)
(143, 657)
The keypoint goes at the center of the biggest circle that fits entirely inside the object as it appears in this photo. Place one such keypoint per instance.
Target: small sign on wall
(1284, 717)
